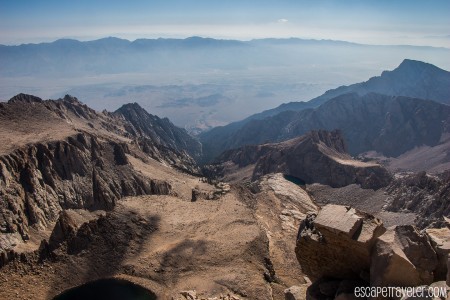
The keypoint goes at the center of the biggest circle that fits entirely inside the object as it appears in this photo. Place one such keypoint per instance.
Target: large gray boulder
(403, 257)
(337, 242)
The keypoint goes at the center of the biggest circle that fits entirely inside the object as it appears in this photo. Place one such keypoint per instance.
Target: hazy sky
(372, 22)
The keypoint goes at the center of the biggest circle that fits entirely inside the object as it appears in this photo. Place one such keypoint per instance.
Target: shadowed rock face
(320, 157)
(317, 157)
(403, 257)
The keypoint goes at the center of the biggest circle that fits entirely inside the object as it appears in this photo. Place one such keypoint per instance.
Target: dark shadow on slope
(100, 247)
(184, 257)
(108, 289)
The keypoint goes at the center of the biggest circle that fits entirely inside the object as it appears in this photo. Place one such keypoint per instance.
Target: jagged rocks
(218, 191)
(403, 257)
(426, 195)
(40, 180)
(160, 132)
(65, 228)
(337, 243)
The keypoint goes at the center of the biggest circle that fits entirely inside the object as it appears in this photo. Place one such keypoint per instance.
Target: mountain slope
(61, 154)
(411, 78)
(81, 199)
(316, 157)
(387, 124)
(161, 131)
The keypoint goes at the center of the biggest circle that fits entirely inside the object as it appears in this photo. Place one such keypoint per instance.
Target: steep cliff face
(159, 131)
(317, 157)
(38, 181)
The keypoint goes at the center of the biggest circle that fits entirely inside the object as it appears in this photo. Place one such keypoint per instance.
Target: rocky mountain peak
(416, 68)
(311, 158)
(160, 131)
(25, 98)
(333, 139)
(131, 107)
(136, 114)
(71, 99)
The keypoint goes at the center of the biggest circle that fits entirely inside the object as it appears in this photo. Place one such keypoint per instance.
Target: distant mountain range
(70, 58)
(383, 114)
(207, 77)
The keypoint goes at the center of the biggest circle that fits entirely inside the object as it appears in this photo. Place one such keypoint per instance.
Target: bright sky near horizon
(412, 22)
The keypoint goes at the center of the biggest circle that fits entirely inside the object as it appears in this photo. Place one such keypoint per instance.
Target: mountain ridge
(318, 156)
(161, 130)
(429, 81)
(71, 116)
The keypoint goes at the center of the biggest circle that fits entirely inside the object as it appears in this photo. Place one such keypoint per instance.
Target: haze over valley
(197, 82)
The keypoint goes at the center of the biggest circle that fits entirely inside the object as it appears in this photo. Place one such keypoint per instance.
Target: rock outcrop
(321, 157)
(215, 193)
(341, 248)
(317, 157)
(337, 242)
(440, 240)
(65, 229)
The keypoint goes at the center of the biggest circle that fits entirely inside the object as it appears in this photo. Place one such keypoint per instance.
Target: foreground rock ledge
(343, 245)
(337, 242)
